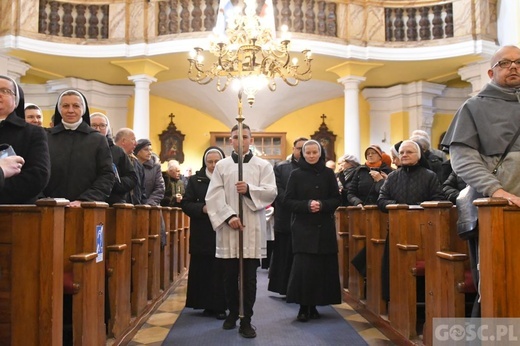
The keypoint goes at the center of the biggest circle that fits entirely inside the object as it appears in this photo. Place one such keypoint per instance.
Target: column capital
(352, 69)
(13, 67)
(476, 74)
(140, 66)
(139, 78)
(351, 82)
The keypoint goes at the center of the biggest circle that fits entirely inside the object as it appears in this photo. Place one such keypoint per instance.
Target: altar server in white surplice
(258, 190)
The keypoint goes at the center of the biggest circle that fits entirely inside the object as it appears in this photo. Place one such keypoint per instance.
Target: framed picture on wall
(171, 143)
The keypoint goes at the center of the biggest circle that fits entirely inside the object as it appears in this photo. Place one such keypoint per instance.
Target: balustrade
(348, 21)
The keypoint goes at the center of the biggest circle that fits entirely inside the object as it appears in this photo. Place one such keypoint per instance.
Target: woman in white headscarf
(312, 195)
(81, 162)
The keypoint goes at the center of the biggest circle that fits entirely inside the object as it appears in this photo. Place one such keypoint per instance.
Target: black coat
(202, 235)
(29, 142)
(410, 185)
(313, 233)
(282, 216)
(81, 164)
(126, 178)
(171, 188)
(452, 187)
(363, 189)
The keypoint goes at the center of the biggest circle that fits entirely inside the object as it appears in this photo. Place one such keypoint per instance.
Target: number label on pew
(99, 243)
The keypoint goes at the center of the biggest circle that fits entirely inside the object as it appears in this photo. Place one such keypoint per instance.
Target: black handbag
(467, 223)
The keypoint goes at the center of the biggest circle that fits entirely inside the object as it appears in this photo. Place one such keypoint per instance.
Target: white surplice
(222, 202)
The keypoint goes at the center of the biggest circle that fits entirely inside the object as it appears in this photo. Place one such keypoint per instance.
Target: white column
(507, 22)
(142, 105)
(351, 127)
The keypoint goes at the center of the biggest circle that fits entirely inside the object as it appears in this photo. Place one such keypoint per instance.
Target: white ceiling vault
(268, 106)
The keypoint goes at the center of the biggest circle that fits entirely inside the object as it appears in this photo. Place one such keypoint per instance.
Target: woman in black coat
(205, 278)
(412, 183)
(81, 162)
(312, 196)
(368, 178)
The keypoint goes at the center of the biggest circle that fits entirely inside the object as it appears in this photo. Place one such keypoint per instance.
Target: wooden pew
(182, 242)
(154, 253)
(31, 267)
(405, 244)
(84, 232)
(341, 217)
(174, 243)
(186, 226)
(446, 264)
(377, 229)
(140, 228)
(165, 251)
(119, 223)
(499, 271)
(357, 241)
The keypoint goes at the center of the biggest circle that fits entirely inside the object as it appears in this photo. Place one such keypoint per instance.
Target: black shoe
(314, 314)
(220, 315)
(302, 317)
(230, 322)
(303, 314)
(208, 312)
(246, 330)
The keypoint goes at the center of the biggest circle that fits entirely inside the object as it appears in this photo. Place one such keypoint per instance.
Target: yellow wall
(441, 122)
(399, 127)
(195, 125)
(304, 122)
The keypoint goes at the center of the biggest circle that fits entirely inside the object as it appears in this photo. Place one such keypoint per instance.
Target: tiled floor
(155, 330)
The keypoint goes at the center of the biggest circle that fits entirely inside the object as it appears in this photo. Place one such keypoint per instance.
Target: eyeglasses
(506, 63)
(99, 126)
(407, 152)
(5, 91)
(298, 148)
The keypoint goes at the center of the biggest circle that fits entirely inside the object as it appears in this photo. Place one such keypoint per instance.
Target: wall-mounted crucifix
(326, 138)
(171, 143)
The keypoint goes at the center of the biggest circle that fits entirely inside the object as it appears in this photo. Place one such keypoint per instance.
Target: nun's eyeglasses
(5, 91)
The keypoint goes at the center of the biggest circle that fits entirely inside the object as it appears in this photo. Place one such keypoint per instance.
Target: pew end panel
(377, 229)
(88, 269)
(165, 251)
(499, 271)
(154, 253)
(31, 267)
(119, 241)
(357, 225)
(406, 252)
(341, 218)
(138, 297)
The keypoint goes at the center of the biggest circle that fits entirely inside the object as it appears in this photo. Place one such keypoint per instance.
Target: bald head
(502, 74)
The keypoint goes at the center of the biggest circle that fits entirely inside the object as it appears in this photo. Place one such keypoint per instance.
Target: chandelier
(249, 56)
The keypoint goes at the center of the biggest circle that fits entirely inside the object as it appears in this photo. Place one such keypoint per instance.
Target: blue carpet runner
(275, 322)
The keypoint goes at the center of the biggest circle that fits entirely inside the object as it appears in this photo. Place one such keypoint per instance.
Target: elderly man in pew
(411, 184)
(25, 140)
(488, 160)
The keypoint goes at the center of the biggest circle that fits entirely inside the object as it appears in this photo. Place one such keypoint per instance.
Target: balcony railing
(363, 23)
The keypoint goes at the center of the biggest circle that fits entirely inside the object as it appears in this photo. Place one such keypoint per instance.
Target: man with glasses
(282, 256)
(125, 176)
(481, 131)
(27, 141)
